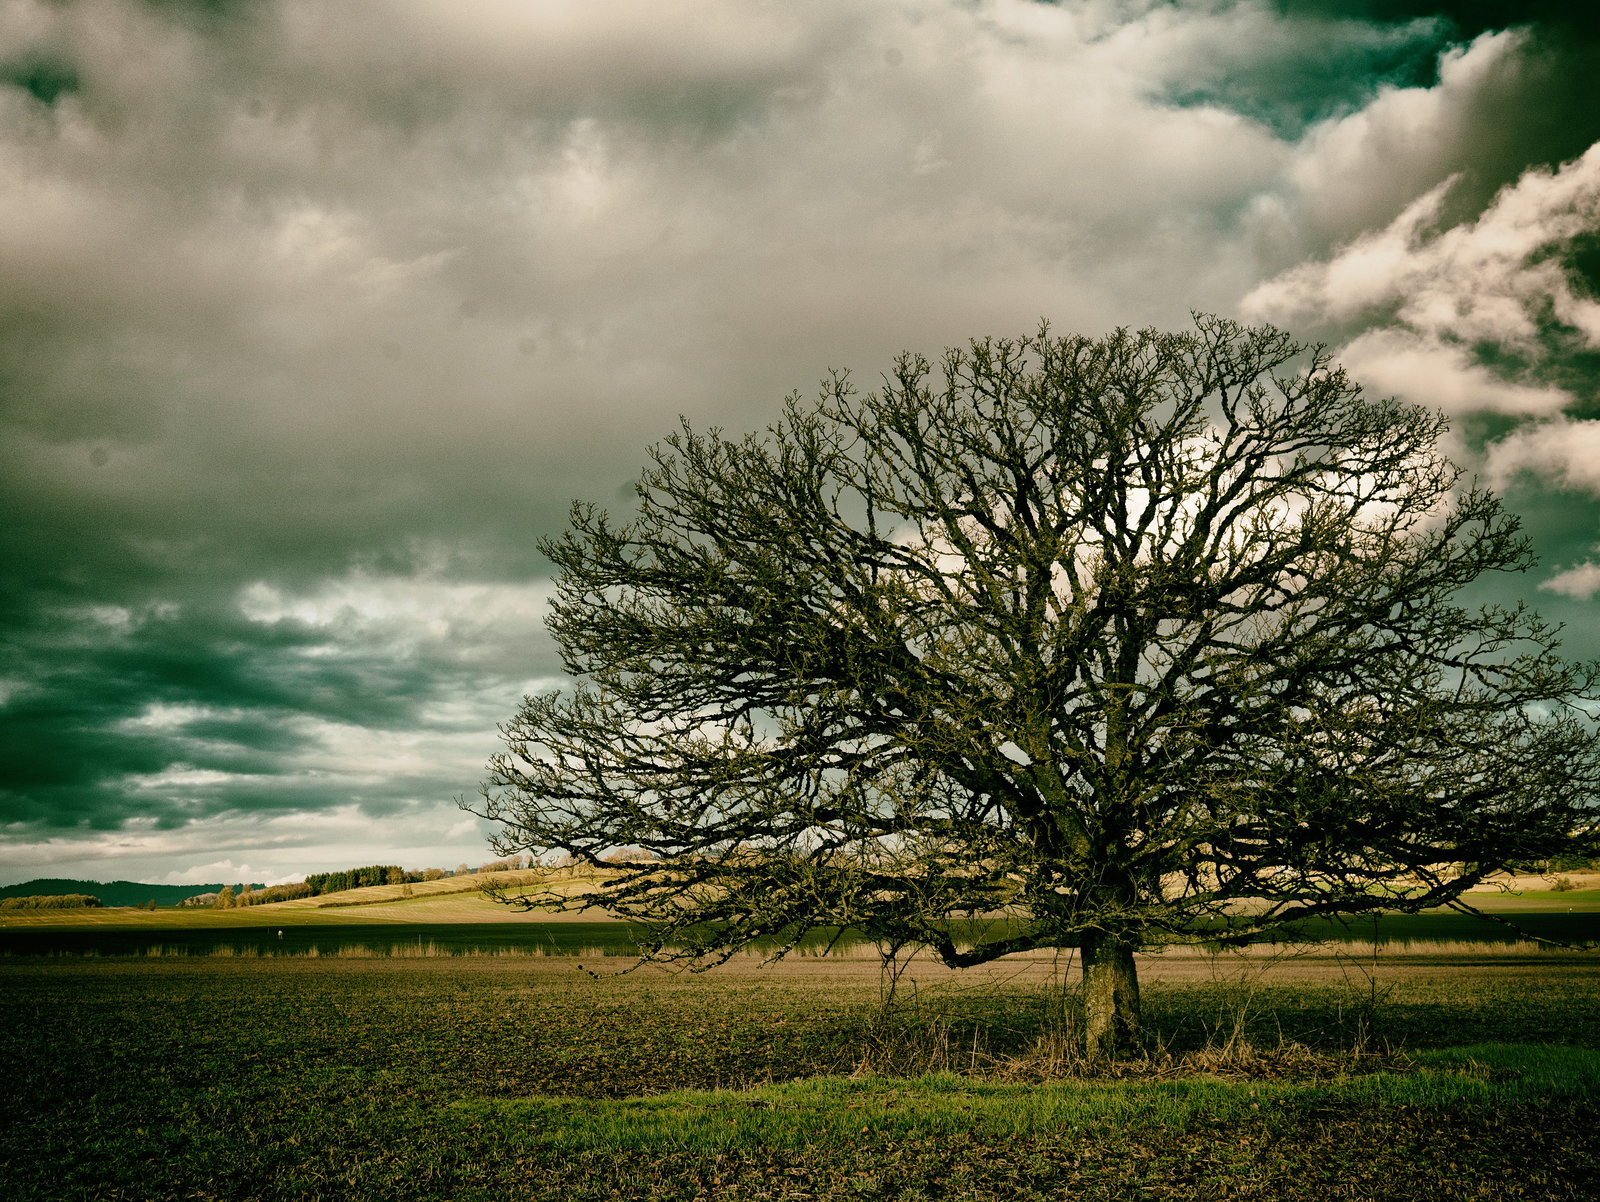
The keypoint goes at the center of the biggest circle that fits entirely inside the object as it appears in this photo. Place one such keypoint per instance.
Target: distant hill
(112, 893)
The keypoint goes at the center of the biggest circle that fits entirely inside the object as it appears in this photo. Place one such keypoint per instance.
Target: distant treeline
(273, 893)
(134, 893)
(248, 895)
(318, 883)
(110, 893)
(50, 901)
(393, 874)
(314, 884)
(358, 878)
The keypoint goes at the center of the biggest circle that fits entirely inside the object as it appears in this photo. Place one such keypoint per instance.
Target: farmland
(453, 916)
(418, 1056)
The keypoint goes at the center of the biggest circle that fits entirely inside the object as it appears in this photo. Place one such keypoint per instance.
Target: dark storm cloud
(111, 696)
(313, 317)
(1317, 70)
(1538, 108)
(1468, 17)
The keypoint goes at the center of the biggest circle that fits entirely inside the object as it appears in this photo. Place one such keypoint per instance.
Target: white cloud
(182, 778)
(225, 871)
(1433, 298)
(1365, 274)
(1486, 280)
(262, 848)
(1579, 583)
(1440, 375)
(166, 716)
(504, 246)
(1563, 451)
(439, 754)
(362, 612)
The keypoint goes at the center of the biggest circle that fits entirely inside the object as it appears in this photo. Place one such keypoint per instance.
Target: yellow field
(460, 900)
(448, 900)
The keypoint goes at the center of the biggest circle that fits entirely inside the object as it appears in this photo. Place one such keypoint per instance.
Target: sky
(314, 316)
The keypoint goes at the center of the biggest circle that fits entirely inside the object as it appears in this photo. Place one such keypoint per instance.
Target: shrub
(628, 855)
(1572, 864)
(274, 893)
(51, 901)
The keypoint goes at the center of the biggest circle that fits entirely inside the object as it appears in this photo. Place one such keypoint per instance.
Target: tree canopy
(1113, 643)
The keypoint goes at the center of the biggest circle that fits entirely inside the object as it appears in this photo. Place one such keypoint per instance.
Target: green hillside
(111, 893)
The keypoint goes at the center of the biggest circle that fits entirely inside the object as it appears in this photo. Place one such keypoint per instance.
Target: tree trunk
(1110, 998)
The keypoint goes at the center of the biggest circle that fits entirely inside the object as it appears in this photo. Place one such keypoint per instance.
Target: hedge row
(49, 901)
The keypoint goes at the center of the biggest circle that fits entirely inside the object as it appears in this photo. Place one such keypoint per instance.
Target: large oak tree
(1126, 640)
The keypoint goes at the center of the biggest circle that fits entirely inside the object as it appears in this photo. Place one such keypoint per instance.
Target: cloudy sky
(314, 314)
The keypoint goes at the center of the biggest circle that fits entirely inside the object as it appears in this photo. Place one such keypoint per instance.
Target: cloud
(1355, 171)
(265, 848)
(1579, 583)
(1488, 280)
(395, 616)
(1476, 299)
(314, 317)
(1293, 76)
(1485, 317)
(225, 871)
(1564, 451)
(1441, 375)
(379, 690)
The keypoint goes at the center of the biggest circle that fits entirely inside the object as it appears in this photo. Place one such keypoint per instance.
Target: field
(386, 1044)
(539, 1076)
(451, 916)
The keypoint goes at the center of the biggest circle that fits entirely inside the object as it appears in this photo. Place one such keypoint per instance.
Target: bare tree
(1131, 641)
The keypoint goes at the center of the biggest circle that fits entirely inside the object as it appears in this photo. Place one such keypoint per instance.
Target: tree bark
(1110, 998)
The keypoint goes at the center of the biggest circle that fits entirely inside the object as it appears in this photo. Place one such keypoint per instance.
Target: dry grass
(566, 881)
(1540, 883)
(911, 1046)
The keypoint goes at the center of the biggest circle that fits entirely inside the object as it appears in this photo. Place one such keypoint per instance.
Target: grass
(327, 939)
(537, 1077)
(452, 916)
(437, 1046)
(798, 1115)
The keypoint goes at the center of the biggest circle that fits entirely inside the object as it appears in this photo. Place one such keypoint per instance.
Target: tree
(224, 899)
(1136, 641)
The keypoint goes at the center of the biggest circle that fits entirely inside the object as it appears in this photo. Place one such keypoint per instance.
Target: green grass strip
(834, 1110)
